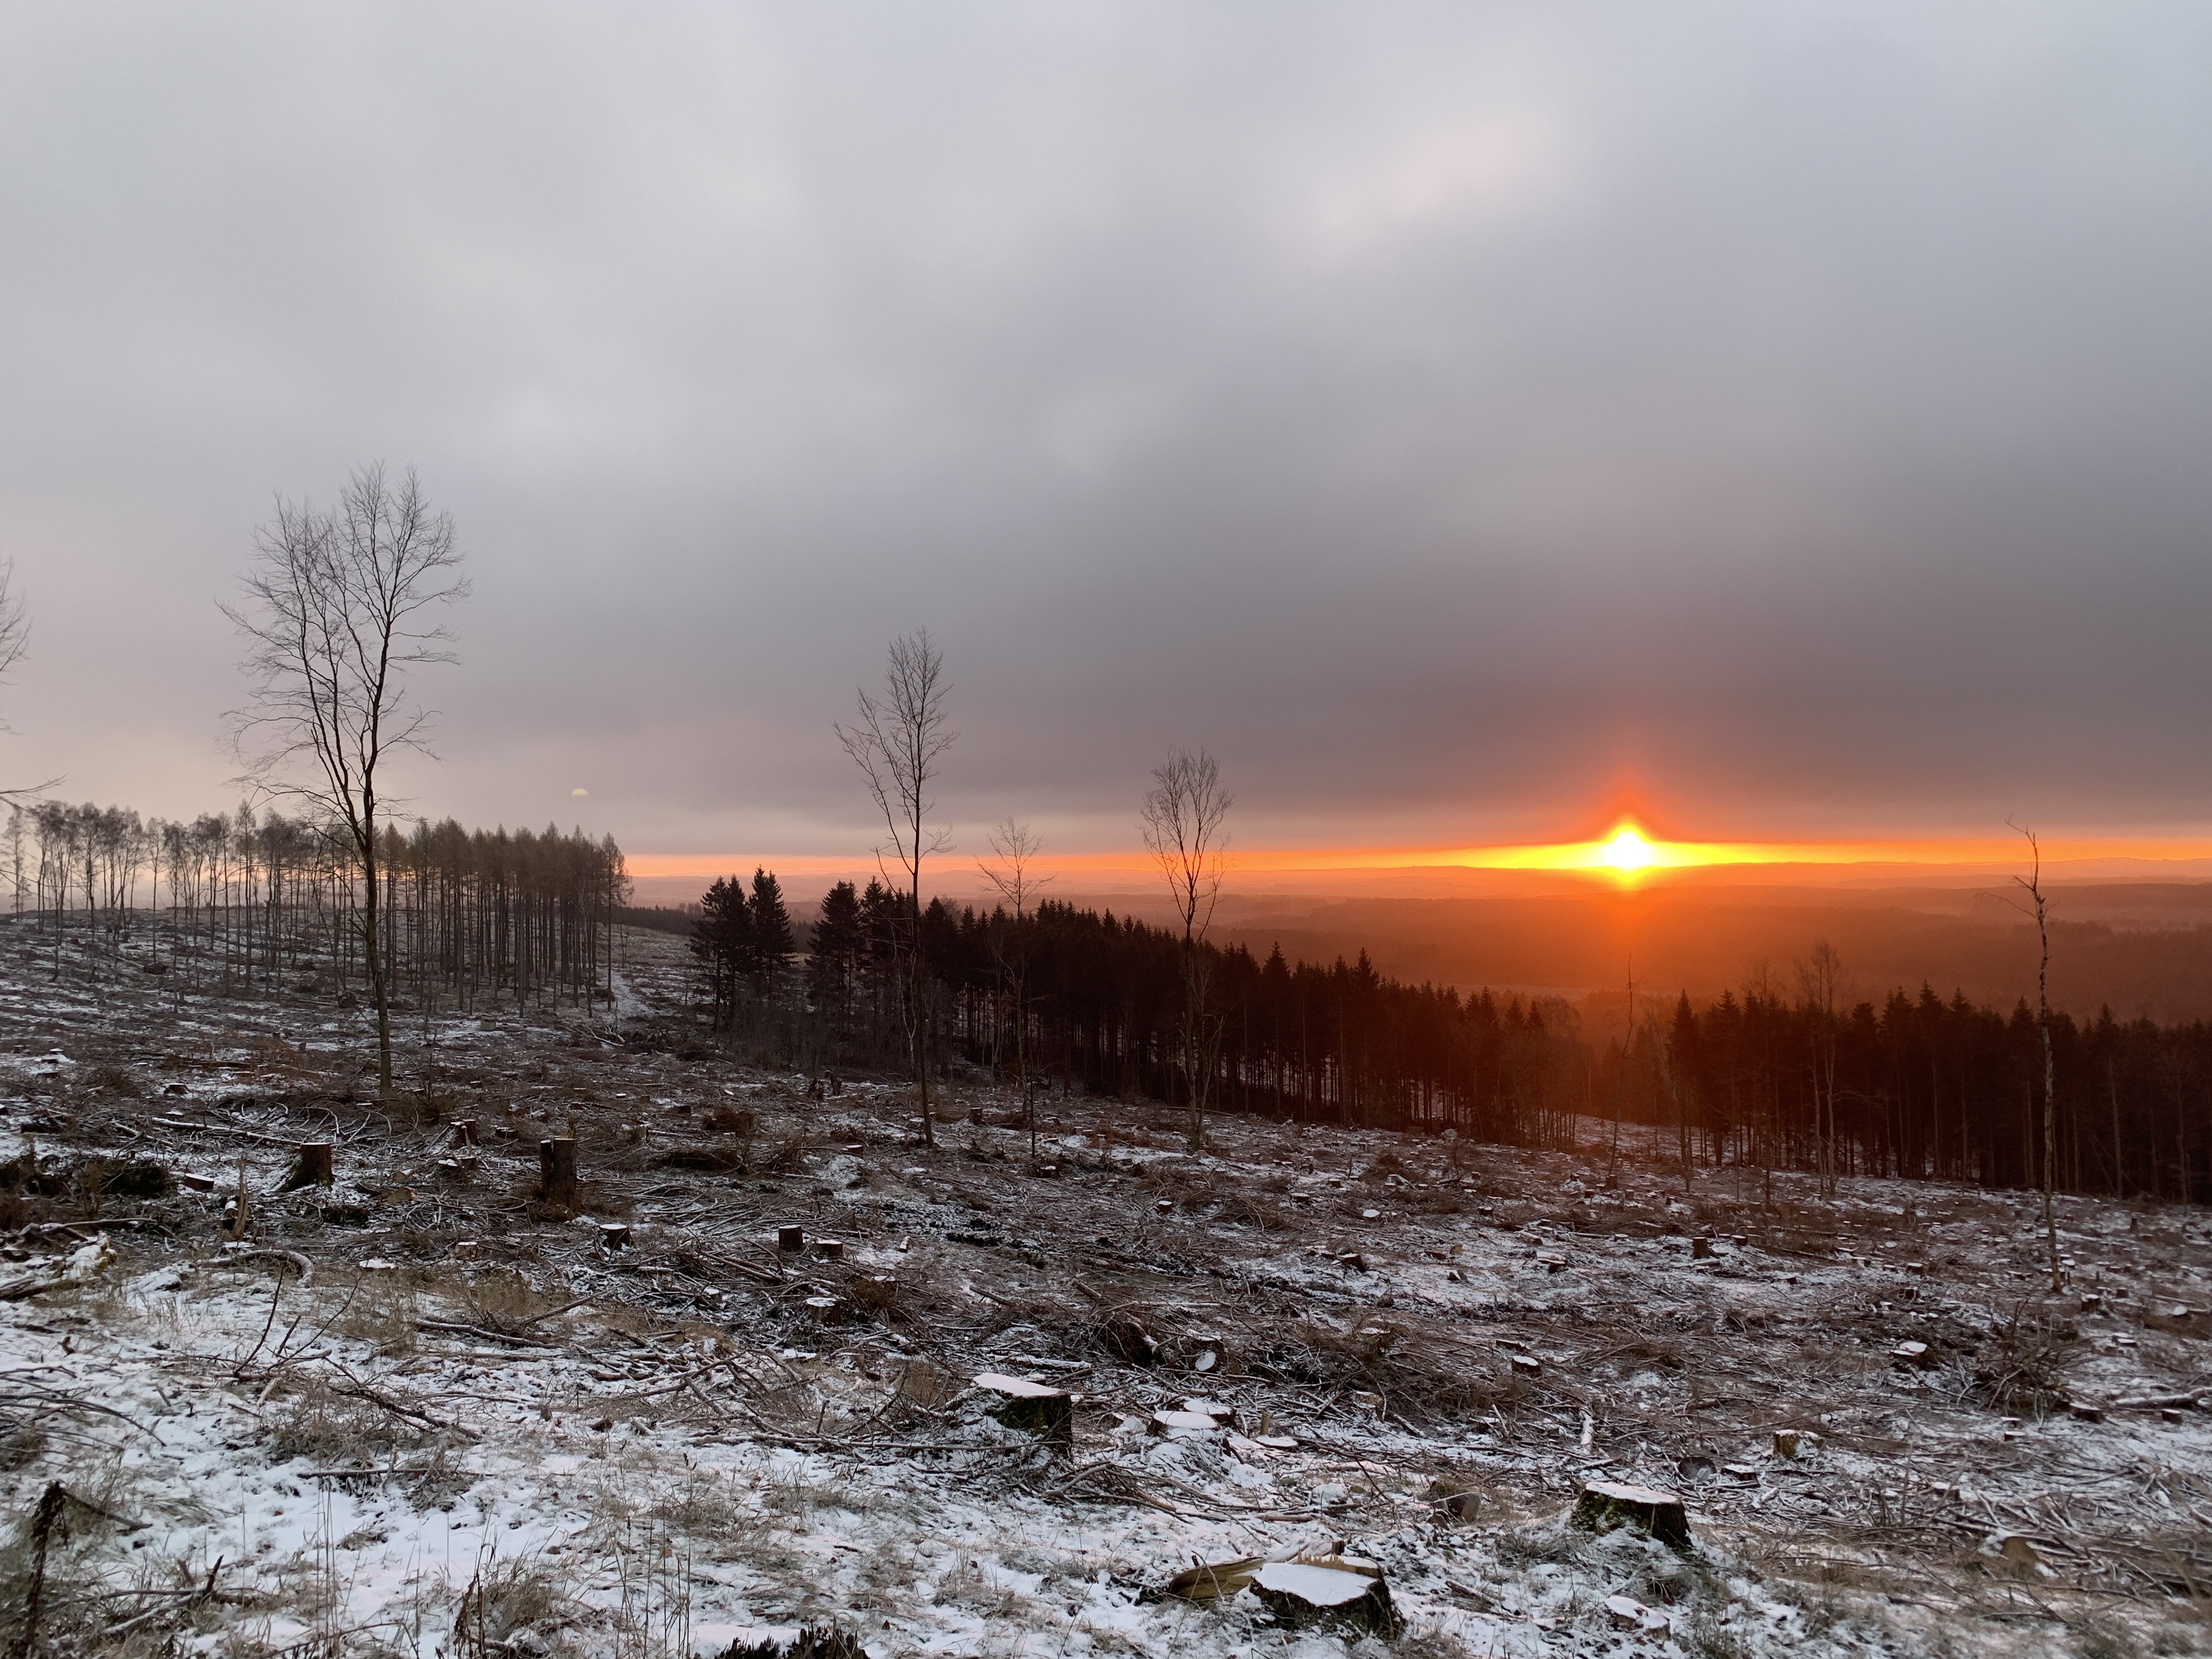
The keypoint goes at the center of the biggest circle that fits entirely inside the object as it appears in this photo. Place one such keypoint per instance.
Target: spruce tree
(882, 914)
(771, 941)
(721, 940)
(833, 962)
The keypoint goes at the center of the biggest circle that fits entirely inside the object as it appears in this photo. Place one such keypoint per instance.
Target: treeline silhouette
(1915, 1087)
(233, 901)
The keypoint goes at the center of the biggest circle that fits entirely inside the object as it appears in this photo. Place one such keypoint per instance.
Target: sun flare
(1627, 851)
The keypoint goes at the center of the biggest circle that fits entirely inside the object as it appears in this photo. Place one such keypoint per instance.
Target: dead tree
(898, 742)
(1181, 822)
(340, 604)
(2037, 905)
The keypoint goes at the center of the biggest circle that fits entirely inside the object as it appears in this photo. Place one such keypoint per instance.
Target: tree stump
(1604, 1506)
(1036, 1408)
(1130, 1342)
(557, 1170)
(829, 1248)
(791, 1240)
(1700, 1250)
(1182, 1424)
(614, 1234)
(465, 1133)
(1331, 1590)
(312, 1167)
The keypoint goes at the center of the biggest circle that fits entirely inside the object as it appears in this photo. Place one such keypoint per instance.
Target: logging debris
(1436, 1351)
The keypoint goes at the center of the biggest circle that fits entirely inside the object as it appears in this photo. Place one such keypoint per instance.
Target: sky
(1467, 421)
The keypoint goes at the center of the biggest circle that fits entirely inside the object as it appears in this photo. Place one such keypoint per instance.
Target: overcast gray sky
(1443, 413)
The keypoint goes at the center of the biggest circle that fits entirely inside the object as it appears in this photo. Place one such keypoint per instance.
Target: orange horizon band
(1626, 853)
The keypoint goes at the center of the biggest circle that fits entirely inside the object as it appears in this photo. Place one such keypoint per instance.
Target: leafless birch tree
(14, 640)
(898, 741)
(1182, 822)
(339, 605)
(1015, 847)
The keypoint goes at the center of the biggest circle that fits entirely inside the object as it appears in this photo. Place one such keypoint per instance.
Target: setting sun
(1628, 850)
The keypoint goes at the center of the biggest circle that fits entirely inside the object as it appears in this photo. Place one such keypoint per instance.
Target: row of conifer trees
(1918, 1087)
(1914, 1085)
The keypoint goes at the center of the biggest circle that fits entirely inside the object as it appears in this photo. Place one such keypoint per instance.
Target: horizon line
(1625, 857)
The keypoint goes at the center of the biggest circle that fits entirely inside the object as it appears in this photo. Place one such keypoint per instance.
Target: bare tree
(1181, 822)
(2038, 906)
(898, 742)
(1015, 847)
(15, 624)
(1819, 980)
(1620, 1083)
(339, 605)
(14, 640)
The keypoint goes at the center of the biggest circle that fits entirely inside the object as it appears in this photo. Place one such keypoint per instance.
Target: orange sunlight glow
(1627, 851)
(1627, 854)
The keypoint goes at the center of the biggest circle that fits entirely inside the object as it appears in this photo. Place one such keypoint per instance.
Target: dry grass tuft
(322, 1427)
(380, 1310)
(503, 1600)
(503, 1301)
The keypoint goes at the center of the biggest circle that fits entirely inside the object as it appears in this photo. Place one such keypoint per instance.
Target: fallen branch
(191, 1599)
(489, 1335)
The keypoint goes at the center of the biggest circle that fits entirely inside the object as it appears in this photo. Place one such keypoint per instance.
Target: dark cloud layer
(1443, 412)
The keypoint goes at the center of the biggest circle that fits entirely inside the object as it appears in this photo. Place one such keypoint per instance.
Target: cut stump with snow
(1037, 1408)
(1181, 1425)
(1605, 1506)
(1339, 1591)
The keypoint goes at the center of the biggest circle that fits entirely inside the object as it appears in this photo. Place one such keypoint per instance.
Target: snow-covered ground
(421, 1412)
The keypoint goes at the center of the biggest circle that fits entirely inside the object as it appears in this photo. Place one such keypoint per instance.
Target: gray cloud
(1443, 412)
